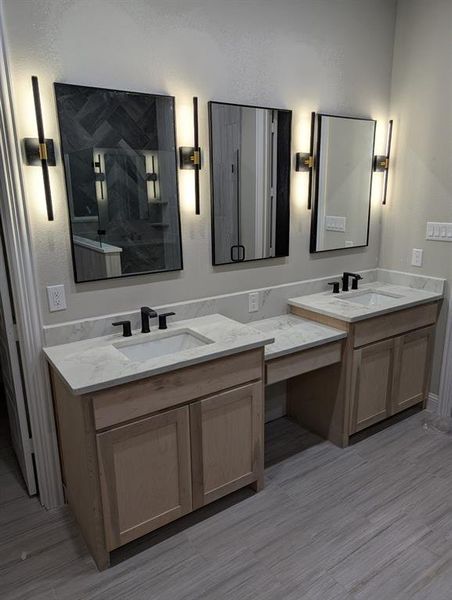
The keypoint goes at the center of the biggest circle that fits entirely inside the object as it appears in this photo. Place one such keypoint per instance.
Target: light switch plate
(56, 297)
(417, 257)
(335, 223)
(253, 302)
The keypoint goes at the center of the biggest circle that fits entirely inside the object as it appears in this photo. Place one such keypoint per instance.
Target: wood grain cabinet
(145, 475)
(413, 353)
(371, 384)
(138, 456)
(385, 369)
(226, 437)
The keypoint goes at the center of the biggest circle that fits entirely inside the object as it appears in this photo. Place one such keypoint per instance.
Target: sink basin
(372, 298)
(168, 343)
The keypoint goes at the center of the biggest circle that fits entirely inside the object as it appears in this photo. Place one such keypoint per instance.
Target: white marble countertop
(91, 365)
(337, 306)
(294, 334)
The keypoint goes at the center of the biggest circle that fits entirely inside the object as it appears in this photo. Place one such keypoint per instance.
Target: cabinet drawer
(386, 326)
(280, 369)
(140, 398)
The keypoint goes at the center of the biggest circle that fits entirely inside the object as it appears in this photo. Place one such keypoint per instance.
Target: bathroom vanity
(386, 364)
(146, 441)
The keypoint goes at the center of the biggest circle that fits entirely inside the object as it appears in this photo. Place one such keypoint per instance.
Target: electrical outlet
(253, 302)
(56, 297)
(416, 257)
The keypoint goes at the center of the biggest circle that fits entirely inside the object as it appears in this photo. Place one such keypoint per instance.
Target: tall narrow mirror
(119, 154)
(342, 182)
(250, 176)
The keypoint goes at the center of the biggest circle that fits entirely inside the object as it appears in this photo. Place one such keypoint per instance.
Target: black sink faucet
(146, 314)
(345, 278)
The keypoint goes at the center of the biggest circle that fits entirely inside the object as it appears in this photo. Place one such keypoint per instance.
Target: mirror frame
(212, 193)
(66, 183)
(314, 188)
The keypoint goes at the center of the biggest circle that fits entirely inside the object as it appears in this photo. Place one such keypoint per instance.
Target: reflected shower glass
(119, 155)
(250, 172)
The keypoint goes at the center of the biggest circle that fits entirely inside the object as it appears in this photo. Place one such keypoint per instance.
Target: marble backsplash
(272, 302)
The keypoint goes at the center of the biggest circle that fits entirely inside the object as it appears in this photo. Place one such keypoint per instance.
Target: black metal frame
(74, 266)
(315, 184)
(388, 157)
(212, 202)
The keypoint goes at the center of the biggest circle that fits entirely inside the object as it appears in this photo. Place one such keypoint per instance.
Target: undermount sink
(372, 298)
(168, 343)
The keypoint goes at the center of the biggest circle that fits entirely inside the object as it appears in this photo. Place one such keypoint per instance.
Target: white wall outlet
(56, 297)
(253, 302)
(416, 257)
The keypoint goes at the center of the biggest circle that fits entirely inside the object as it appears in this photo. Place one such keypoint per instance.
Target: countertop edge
(376, 313)
(189, 362)
(307, 346)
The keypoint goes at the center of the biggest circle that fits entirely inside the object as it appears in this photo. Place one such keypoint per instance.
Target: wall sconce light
(381, 161)
(304, 161)
(40, 151)
(190, 156)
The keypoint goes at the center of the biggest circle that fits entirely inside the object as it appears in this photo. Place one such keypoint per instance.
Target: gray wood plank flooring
(373, 522)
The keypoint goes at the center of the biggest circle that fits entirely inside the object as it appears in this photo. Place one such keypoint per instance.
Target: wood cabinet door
(145, 475)
(227, 442)
(412, 367)
(371, 384)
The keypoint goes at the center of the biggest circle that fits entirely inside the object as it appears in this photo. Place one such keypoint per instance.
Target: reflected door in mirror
(250, 171)
(343, 180)
(119, 154)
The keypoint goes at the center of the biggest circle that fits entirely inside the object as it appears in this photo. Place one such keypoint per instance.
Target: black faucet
(345, 278)
(162, 319)
(126, 327)
(335, 285)
(146, 314)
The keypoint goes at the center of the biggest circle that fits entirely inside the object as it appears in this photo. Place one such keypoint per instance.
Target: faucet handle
(162, 319)
(126, 327)
(335, 285)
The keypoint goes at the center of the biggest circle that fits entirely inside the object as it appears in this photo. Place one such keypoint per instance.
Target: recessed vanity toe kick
(146, 441)
(386, 363)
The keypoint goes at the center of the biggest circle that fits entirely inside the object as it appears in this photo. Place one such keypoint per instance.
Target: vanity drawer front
(285, 367)
(386, 326)
(140, 398)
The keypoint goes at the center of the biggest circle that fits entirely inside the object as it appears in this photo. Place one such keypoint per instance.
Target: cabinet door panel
(371, 384)
(412, 368)
(226, 437)
(145, 475)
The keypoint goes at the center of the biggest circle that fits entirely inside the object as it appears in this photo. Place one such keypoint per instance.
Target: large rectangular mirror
(119, 154)
(342, 182)
(250, 177)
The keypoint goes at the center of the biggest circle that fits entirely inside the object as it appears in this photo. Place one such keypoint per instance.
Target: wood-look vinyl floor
(371, 522)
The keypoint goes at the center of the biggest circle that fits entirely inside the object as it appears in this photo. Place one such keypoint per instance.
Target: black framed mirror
(120, 162)
(342, 182)
(250, 182)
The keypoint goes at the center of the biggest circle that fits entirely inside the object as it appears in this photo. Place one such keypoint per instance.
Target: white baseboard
(433, 402)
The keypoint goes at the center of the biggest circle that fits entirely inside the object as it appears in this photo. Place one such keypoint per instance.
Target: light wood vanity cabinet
(226, 432)
(145, 475)
(371, 384)
(385, 369)
(138, 456)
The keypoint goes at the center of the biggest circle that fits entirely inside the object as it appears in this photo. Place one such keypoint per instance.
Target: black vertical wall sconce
(304, 161)
(190, 156)
(40, 151)
(381, 161)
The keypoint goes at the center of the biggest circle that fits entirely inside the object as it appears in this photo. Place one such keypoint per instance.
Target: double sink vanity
(155, 425)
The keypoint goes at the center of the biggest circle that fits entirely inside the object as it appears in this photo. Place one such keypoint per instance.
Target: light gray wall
(420, 184)
(329, 55)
